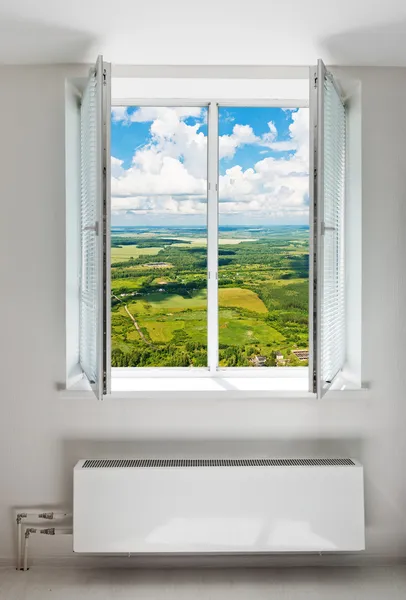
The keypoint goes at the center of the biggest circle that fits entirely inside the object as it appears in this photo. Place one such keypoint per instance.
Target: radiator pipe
(43, 514)
(18, 566)
(27, 532)
(39, 514)
(48, 531)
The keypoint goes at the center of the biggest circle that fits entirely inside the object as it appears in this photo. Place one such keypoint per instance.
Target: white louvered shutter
(94, 154)
(330, 174)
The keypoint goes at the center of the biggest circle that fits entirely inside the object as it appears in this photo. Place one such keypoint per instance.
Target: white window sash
(94, 343)
(327, 302)
(212, 368)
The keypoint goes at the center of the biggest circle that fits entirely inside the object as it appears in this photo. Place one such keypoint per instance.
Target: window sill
(209, 385)
(219, 387)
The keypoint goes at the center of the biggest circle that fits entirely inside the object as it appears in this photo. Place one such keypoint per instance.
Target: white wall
(42, 435)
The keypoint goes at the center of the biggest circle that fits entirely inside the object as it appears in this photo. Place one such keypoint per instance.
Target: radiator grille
(212, 462)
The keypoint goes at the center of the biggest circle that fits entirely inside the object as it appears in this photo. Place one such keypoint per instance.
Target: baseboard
(252, 561)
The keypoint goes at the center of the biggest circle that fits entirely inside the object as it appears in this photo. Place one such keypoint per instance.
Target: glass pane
(263, 237)
(159, 236)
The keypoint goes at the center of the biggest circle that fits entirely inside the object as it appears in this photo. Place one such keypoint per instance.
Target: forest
(159, 296)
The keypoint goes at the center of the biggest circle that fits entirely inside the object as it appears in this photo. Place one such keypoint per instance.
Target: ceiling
(210, 32)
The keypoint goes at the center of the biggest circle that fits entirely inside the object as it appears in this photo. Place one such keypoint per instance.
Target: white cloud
(153, 174)
(242, 135)
(298, 141)
(299, 131)
(116, 167)
(272, 134)
(173, 163)
(119, 113)
(168, 175)
(169, 205)
(274, 186)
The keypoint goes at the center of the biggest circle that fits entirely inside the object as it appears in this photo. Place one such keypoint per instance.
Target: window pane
(159, 236)
(263, 237)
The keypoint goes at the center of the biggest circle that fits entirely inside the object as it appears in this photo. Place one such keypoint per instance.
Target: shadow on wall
(43, 43)
(383, 45)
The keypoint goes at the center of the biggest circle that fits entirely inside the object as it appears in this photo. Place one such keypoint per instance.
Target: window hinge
(315, 82)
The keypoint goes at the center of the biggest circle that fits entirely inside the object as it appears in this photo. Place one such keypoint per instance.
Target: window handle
(94, 228)
(325, 228)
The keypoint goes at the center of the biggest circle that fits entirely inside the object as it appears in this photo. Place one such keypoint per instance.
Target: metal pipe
(28, 531)
(43, 514)
(48, 531)
(18, 565)
(39, 514)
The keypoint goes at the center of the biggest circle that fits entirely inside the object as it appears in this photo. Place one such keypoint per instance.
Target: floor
(255, 584)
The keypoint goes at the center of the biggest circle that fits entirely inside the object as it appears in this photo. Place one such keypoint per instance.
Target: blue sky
(258, 118)
(159, 166)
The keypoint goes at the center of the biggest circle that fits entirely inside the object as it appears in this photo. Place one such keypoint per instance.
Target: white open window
(329, 185)
(94, 229)
(105, 290)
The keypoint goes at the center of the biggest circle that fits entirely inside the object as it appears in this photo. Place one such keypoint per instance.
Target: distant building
(279, 360)
(301, 354)
(259, 361)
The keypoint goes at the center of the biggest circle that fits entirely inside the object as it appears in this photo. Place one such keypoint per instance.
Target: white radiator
(213, 506)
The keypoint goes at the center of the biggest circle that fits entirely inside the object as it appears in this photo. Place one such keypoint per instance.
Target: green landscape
(159, 296)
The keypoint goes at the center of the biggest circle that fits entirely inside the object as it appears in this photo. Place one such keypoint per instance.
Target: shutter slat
(333, 302)
(89, 262)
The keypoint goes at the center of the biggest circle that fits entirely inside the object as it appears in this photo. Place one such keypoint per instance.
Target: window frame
(349, 380)
(212, 220)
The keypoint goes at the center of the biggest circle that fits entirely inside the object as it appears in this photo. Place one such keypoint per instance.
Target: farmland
(159, 295)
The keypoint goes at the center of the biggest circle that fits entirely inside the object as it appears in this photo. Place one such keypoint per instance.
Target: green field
(239, 331)
(163, 331)
(159, 275)
(241, 298)
(128, 284)
(128, 252)
(160, 303)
